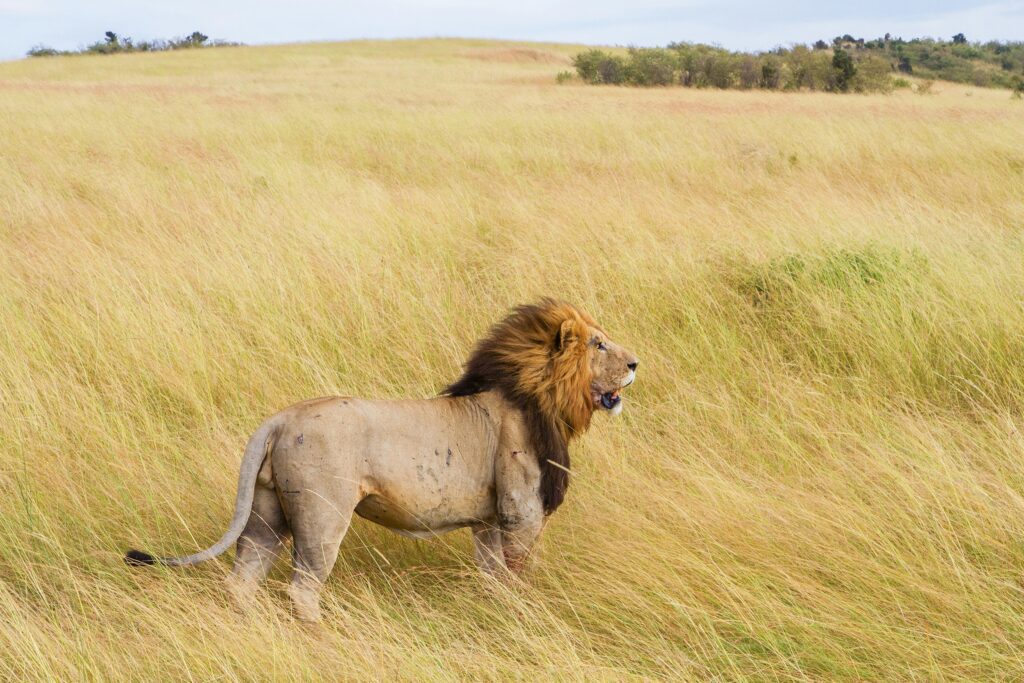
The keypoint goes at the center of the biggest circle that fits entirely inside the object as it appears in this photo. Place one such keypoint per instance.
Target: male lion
(490, 453)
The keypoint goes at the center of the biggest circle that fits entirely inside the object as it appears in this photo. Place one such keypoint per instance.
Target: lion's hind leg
(258, 547)
(318, 525)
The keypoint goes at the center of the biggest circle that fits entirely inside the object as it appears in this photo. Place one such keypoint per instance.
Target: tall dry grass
(819, 474)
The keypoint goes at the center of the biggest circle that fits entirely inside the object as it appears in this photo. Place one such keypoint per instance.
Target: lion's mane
(537, 359)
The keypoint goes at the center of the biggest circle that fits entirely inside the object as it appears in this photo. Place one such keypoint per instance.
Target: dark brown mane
(537, 359)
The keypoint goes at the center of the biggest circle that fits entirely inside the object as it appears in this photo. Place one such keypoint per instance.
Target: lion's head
(556, 364)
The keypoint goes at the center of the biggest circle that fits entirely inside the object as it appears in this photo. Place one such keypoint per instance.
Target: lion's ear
(567, 334)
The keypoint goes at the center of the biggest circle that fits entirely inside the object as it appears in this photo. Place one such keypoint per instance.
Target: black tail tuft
(137, 558)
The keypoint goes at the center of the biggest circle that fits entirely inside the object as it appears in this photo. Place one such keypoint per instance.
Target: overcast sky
(736, 24)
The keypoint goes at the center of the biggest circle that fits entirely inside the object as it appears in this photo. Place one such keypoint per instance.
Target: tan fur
(424, 467)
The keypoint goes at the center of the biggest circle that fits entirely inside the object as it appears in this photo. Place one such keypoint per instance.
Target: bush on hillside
(845, 69)
(651, 66)
(873, 74)
(112, 43)
(43, 51)
(1018, 87)
(597, 66)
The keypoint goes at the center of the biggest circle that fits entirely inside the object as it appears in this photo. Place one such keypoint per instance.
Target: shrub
(612, 70)
(806, 69)
(718, 70)
(564, 77)
(873, 74)
(704, 66)
(900, 83)
(749, 72)
(43, 51)
(843, 68)
(1017, 86)
(771, 73)
(651, 66)
(925, 87)
(195, 39)
(586, 63)
(597, 66)
(110, 44)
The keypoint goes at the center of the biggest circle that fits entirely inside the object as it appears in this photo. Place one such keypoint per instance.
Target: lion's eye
(601, 346)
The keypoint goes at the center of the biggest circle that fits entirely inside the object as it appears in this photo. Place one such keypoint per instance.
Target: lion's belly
(423, 523)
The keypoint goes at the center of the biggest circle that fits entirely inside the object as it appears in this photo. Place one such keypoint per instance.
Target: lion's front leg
(520, 509)
(518, 538)
(487, 550)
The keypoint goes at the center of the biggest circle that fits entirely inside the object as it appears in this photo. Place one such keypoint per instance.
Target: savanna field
(819, 474)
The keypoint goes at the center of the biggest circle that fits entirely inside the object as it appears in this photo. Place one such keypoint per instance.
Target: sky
(735, 24)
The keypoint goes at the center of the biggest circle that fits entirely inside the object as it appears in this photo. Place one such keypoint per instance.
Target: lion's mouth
(608, 400)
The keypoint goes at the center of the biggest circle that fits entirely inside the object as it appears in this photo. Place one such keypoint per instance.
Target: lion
(489, 453)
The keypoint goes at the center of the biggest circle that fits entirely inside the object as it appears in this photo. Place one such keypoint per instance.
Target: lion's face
(613, 368)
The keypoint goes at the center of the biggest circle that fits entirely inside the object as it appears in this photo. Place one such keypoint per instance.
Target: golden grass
(819, 475)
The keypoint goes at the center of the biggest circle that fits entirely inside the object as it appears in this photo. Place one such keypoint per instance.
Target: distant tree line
(847, 64)
(112, 43)
(989, 64)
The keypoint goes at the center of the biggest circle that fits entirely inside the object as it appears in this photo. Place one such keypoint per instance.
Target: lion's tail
(256, 451)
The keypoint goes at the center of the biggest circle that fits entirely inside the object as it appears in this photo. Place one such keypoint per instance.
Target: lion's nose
(632, 366)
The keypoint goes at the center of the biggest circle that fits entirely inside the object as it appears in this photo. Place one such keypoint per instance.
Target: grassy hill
(818, 476)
